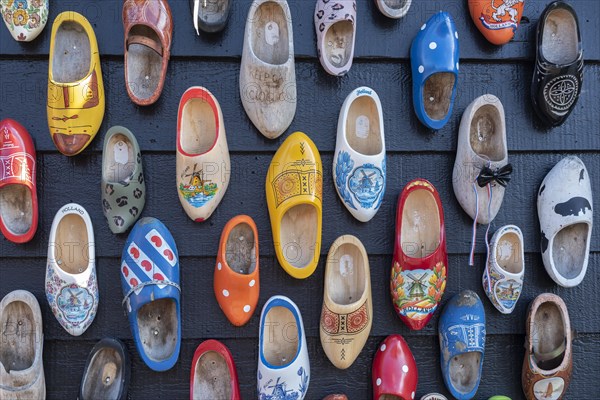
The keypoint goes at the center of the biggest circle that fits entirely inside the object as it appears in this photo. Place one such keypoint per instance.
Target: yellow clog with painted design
(294, 196)
(75, 90)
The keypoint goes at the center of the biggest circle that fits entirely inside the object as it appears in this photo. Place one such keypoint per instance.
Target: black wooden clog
(107, 372)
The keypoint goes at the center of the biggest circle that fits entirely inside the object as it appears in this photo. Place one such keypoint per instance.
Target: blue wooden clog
(150, 279)
(462, 342)
(434, 63)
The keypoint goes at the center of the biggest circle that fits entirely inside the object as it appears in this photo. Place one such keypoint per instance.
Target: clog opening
(338, 43)
(280, 344)
(420, 233)
(157, 323)
(270, 41)
(363, 127)
(119, 160)
(19, 340)
(212, 379)
(509, 253)
(485, 134)
(298, 234)
(16, 208)
(212, 12)
(346, 275)
(437, 94)
(559, 38)
(464, 371)
(144, 62)
(104, 374)
(241, 249)
(569, 250)
(395, 5)
(71, 249)
(548, 336)
(72, 53)
(198, 132)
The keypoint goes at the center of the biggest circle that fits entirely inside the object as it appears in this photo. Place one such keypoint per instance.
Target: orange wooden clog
(497, 20)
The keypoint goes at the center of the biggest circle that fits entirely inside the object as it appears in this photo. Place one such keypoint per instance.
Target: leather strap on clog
(145, 41)
(147, 283)
(551, 355)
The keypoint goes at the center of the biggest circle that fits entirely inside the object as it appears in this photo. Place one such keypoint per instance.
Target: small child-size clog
(434, 396)
(76, 102)
(395, 374)
(25, 19)
(107, 372)
(283, 365)
(434, 65)
(123, 185)
(503, 277)
(462, 344)
(210, 16)
(497, 22)
(152, 295)
(566, 216)
(393, 8)
(335, 25)
(237, 283)
(203, 164)
(359, 169)
(419, 269)
(294, 188)
(18, 186)
(71, 285)
(213, 374)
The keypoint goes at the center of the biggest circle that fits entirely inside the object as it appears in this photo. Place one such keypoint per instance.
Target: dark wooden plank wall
(381, 62)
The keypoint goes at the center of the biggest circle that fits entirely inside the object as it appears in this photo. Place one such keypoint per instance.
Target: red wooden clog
(18, 193)
(395, 372)
(213, 374)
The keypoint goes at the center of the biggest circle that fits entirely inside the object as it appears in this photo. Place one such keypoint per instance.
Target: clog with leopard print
(497, 20)
(335, 24)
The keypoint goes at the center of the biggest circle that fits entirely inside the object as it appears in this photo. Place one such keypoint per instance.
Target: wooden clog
(434, 396)
(419, 269)
(268, 73)
(395, 372)
(294, 188)
(21, 348)
(76, 103)
(336, 397)
(210, 15)
(335, 25)
(71, 286)
(18, 186)
(24, 19)
(393, 8)
(497, 20)
(548, 363)
(203, 165)
(107, 372)
(347, 312)
(237, 283)
(148, 31)
(123, 185)
(213, 375)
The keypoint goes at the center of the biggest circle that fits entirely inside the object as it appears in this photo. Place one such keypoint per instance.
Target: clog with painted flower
(497, 22)
(294, 188)
(213, 374)
(24, 19)
(395, 374)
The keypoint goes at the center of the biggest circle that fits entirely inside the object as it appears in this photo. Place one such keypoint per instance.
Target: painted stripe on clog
(130, 276)
(159, 243)
(141, 259)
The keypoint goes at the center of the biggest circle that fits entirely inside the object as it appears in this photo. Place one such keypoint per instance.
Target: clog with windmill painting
(497, 20)
(24, 19)
(335, 24)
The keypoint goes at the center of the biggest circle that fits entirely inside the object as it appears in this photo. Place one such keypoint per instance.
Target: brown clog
(148, 31)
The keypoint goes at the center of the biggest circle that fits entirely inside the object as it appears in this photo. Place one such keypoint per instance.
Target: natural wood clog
(268, 73)
(25, 20)
(548, 362)
(213, 375)
(76, 103)
(71, 286)
(294, 188)
(237, 283)
(18, 187)
(335, 24)
(395, 372)
(393, 8)
(210, 15)
(497, 20)
(21, 348)
(107, 372)
(347, 313)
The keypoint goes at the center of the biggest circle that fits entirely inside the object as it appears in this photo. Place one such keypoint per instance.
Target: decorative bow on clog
(500, 175)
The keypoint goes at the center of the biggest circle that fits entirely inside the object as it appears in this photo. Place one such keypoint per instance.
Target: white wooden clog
(335, 25)
(25, 19)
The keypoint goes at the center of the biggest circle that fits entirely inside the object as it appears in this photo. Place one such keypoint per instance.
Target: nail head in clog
(76, 102)
(395, 372)
(497, 20)
(203, 164)
(566, 219)
(18, 186)
(123, 185)
(393, 8)
(283, 365)
(213, 374)
(359, 163)
(107, 372)
(24, 19)
(152, 293)
(548, 362)
(434, 64)
(267, 73)
(294, 189)
(335, 25)
(462, 344)
(71, 285)
(558, 72)
(434, 396)
(210, 16)
(419, 269)
(21, 359)
(503, 279)
(237, 276)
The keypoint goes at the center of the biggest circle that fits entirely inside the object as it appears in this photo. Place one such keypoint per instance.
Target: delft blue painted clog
(150, 280)
(434, 63)
(462, 343)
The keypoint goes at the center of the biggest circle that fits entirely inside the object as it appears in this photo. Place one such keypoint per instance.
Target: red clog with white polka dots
(394, 370)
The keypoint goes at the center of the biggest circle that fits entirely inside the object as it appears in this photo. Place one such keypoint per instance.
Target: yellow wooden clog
(75, 90)
(294, 196)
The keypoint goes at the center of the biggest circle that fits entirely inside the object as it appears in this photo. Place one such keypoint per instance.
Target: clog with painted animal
(335, 25)
(25, 19)
(395, 373)
(210, 16)
(497, 20)
(393, 8)
(107, 372)
(213, 374)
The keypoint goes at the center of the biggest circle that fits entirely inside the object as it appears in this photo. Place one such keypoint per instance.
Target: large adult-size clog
(294, 187)
(359, 169)
(76, 103)
(419, 269)
(213, 374)
(335, 25)
(152, 295)
(393, 8)
(210, 16)
(395, 372)
(497, 20)
(107, 372)
(18, 187)
(24, 19)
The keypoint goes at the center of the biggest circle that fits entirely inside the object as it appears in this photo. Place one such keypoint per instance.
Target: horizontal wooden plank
(377, 36)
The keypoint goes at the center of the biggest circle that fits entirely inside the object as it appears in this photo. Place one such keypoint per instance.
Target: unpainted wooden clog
(335, 25)
(393, 8)
(213, 375)
(107, 372)
(25, 19)
(210, 16)
(497, 20)
(395, 374)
